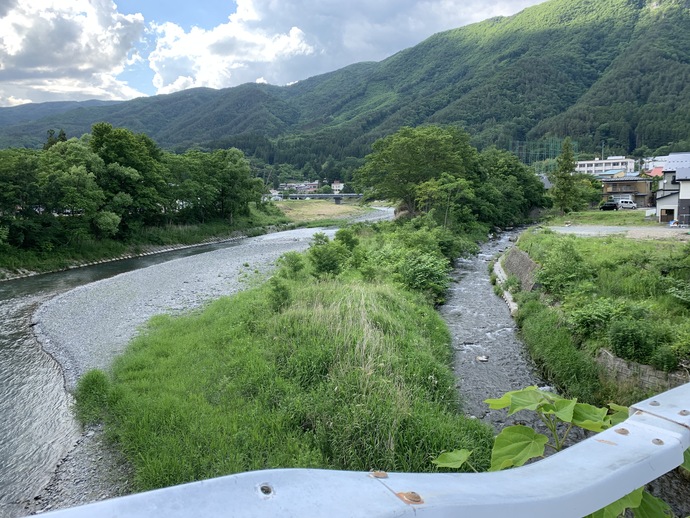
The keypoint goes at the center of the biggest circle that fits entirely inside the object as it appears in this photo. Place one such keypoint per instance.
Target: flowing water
(37, 428)
(36, 424)
(489, 358)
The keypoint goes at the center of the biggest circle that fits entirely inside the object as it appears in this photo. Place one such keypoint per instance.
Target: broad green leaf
(686, 460)
(515, 445)
(562, 408)
(652, 507)
(526, 400)
(506, 399)
(499, 403)
(590, 417)
(620, 414)
(452, 459)
(615, 509)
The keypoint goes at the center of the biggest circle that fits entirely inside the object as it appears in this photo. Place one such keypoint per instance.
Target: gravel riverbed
(86, 328)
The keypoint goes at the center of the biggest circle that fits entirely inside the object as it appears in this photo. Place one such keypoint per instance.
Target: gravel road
(633, 232)
(86, 328)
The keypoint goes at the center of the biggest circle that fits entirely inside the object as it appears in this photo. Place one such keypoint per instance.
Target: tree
(564, 189)
(135, 169)
(401, 162)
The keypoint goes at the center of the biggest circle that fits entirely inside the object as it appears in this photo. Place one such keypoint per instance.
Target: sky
(57, 50)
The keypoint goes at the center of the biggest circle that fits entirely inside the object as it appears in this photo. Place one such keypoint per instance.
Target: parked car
(609, 205)
(627, 204)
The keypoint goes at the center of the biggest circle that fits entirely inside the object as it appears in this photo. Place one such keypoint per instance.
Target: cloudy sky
(53, 50)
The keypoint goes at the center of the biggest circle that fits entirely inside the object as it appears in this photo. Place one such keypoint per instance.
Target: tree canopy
(435, 170)
(112, 182)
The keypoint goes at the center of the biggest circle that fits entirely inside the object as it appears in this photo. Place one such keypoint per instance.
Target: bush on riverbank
(349, 370)
(81, 249)
(613, 292)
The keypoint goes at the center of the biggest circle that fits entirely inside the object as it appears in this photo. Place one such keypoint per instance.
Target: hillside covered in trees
(611, 72)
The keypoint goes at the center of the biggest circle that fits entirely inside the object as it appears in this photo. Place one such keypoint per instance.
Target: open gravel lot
(646, 232)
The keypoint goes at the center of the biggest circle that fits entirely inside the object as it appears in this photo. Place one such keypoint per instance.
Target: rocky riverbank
(88, 327)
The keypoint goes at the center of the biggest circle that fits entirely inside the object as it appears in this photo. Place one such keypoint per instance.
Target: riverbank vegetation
(629, 296)
(112, 189)
(338, 361)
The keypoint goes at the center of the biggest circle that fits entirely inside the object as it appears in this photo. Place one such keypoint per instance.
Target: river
(37, 428)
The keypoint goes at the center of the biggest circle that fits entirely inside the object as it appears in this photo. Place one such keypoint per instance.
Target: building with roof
(673, 194)
(597, 166)
(630, 186)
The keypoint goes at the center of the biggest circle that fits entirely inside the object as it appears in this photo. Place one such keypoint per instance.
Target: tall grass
(345, 375)
(622, 294)
(552, 347)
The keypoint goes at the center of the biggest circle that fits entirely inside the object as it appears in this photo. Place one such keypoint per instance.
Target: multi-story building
(597, 167)
(628, 187)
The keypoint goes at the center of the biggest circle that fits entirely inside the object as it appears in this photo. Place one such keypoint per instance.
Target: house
(673, 194)
(629, 186)
(337, 187)
(597, 166)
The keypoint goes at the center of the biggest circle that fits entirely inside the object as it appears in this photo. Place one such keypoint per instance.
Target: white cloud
(286, 41)
(77, 49)
(52, 50)
(229, 54)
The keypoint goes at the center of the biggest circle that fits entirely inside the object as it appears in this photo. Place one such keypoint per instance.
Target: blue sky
(53, 50)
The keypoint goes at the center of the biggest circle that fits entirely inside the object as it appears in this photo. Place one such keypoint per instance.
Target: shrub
(426, 273)
(562, 268)
(327, 257)
(291, 264)
(664, 359)
(512, 284)
(593, 317)
(347, 237)
(629, 340)
(280, 294)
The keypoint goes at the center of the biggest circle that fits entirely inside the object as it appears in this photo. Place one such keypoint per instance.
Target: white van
(627, 204)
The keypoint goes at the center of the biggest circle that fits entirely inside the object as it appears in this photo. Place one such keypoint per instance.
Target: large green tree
(135, 178)
(564, 191)
(410, 157)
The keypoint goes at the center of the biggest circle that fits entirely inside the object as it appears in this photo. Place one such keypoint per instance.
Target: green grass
(603, 283)
(346, 375)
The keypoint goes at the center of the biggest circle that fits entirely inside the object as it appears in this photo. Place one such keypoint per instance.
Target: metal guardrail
(575, 482)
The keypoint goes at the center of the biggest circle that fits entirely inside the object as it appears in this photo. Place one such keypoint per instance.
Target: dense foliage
(605, 72)
(435, 170)
(613, 292)
(347, 368)
(112, 184)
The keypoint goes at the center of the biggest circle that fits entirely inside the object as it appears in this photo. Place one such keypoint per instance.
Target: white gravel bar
(86, 328)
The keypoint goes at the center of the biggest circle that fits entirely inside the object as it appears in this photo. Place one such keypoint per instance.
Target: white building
(598, 167)
(337, 186)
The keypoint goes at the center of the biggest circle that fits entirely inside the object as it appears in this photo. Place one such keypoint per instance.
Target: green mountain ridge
(600, 71)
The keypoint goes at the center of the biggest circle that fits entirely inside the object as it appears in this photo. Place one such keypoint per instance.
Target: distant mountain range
(611, 72)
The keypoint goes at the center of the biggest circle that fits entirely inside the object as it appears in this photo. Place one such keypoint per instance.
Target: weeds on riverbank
(84, 249)
(341, 367)
(622, 294)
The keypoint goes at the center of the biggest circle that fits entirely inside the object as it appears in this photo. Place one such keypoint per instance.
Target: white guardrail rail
(573, 483)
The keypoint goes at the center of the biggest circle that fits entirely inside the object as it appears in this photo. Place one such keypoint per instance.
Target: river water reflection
(36, 425)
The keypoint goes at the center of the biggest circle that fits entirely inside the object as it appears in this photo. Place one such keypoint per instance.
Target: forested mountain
(600, 71)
